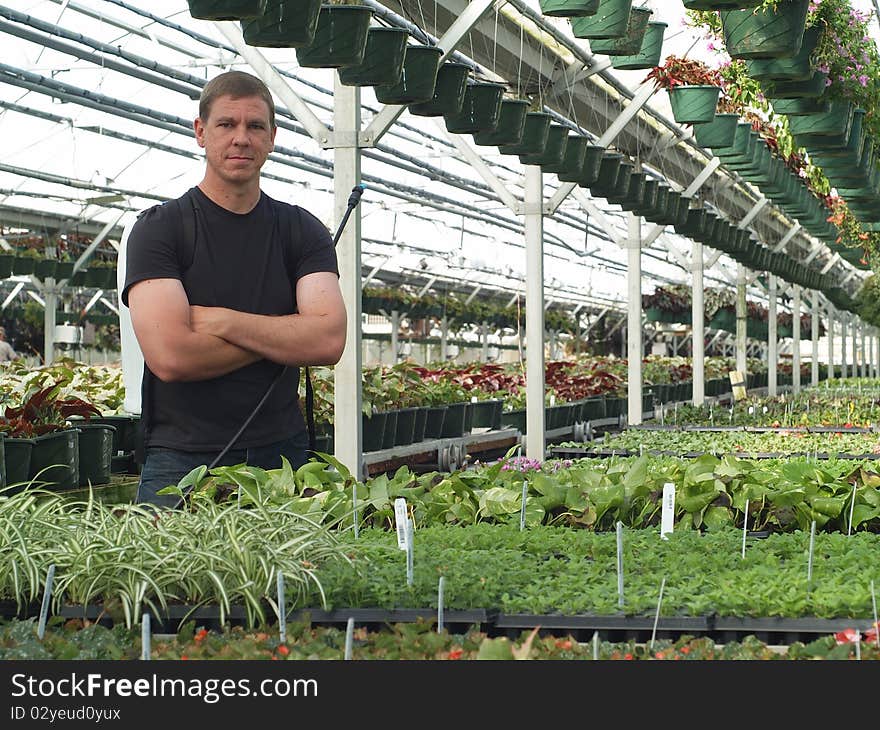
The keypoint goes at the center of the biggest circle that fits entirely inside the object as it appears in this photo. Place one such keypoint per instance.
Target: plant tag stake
(522, 509)
(668, 514)
(409, 552)
(595, 646)
(657, 615)
(145, 637)
(812, 542)
(620, 564)
(354, 506)
(400, 520)
(745, 527)
(851, 509)
(874, 605)
(349, 637)
(47, 595)
(858, 645)
(282, 610)
(440, 587)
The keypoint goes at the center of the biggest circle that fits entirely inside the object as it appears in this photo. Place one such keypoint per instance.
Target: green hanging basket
(631, 41)
(593, 156)
(383, 59)
(621, 185)
(22, 265)
(448, 92)
(226, 9)
(694, 104)
(813, 88)
(635, 192)
(656, 202)
(571, 169)
(284, 24)
(554, 150)
(418, 79)
(720, 4)
(569, 8)
(835, 123)
(6, 260)
(800, 107)
(852, 150)
(479, 111)
(770, 33)
(610, 21)
(510, 127)
(650, 194)
(340, 37)
(45, 268)
(534, 139)
(720, 132)
(797, 68)
(648, 55)
(609, 169)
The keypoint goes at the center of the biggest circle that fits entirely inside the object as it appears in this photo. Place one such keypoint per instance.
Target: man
(7, 354)
(218, 317)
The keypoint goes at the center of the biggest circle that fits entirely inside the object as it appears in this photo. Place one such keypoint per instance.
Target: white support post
(854, 368)
(814, 252)
(787, 237)
(815, 314)
(750, 216)
(640, 98)
(484, 336)
(347, 398)
(395, 336)
(698, 363)
(863, 364)
(741, 314)
(772, 339)
(844, 361)
(796, 342)
(444, 338)
(535, 385)
(50, 292)
(829, 337)
(634, 320)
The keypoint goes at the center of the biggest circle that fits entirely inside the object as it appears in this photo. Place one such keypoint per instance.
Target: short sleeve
(151, 250)
(314, 248)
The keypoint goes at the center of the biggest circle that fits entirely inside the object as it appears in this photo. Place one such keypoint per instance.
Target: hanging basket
(648, 55)
(650, 193)
(45, 268)
(796, 68)
(720, 132)
(610, 21)
(835, 123)
(635, 192)
(852, 151)
(383, 59)
(593, 156)
(554, 150)
(609, 169)
(510, 127)
(694, 104)
(340, 37)
(572, 165)
(800, 107)
(720, 4)
(284, 24)
(479, 111)
(534, 139)
(569, 8)
(813, 88)
(226, 9)
(771, 33)
(22, 265)
(448, 92)
(418, 79)
(631, 41)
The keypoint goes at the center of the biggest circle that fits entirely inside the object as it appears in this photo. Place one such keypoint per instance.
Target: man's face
(237, 138)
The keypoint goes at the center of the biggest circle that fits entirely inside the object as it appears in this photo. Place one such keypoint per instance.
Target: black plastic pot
(406, 425)
(95, 453)
(55, 459)
(453, 421)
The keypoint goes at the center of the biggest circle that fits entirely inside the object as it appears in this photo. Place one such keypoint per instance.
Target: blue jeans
(164, 467)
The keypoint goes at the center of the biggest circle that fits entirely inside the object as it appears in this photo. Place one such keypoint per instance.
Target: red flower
(455, 654)
(283, 650)
(627, 656)
(200, 635)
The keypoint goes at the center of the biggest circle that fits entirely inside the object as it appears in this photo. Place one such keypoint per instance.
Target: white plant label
(667, 516)
(400, 518)
(751, 410)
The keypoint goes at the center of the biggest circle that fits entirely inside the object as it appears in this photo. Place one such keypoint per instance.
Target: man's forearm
(290, 339)
(200, 356)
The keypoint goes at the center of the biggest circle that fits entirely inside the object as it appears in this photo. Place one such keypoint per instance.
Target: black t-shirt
(238, 261)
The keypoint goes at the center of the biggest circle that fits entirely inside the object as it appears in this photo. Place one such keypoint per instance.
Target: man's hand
(210, 320)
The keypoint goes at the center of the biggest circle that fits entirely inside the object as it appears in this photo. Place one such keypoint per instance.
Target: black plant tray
(713, 428)
(614, 627)
(655, 427)
(841, 429)
(589, 453)
(451, 617)
(780, 630)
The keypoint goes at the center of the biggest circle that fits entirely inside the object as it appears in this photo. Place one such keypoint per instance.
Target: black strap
(310, 409)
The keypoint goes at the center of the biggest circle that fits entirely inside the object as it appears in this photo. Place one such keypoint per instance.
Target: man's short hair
(238, 85)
